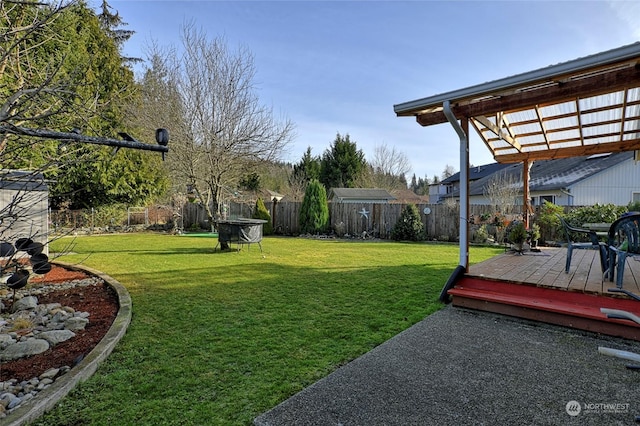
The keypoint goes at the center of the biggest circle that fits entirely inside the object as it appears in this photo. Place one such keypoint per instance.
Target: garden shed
(360, 195)
(358, 211)
(24, 206)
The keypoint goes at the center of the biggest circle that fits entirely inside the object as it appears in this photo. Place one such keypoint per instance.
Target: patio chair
(594, 244)
(623, 242)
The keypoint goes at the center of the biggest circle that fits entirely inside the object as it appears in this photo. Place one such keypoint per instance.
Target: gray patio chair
(594, 244)
(623, 242)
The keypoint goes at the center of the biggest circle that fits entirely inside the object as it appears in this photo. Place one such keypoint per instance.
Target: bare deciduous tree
(223, 130)
(388, 166)
(502, 190)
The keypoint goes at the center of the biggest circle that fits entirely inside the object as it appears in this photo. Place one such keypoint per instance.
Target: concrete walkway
(460, 367)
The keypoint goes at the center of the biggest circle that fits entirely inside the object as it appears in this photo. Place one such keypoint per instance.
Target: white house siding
(614, 185)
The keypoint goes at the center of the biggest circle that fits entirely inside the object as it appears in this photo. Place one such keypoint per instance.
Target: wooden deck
(546, 269)
(535, 286)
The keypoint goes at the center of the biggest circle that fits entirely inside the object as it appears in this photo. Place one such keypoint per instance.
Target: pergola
(586, 106)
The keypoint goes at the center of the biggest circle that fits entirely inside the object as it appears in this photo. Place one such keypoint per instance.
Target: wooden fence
(357, 219)
(441, 222)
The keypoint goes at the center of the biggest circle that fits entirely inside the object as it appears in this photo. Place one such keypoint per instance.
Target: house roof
(476, 172)
(407, 196)
(360, 194)
(551, 175)
(20, 180)
(586, 106)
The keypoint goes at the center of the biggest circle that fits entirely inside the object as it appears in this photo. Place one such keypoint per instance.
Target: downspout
(464, 184)
(464, 204)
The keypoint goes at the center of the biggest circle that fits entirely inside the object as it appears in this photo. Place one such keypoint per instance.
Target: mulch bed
(102, 304)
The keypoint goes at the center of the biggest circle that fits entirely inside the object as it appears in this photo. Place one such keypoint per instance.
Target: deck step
(560, 307)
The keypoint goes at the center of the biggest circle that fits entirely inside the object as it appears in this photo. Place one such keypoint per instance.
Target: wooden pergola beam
(577, 151)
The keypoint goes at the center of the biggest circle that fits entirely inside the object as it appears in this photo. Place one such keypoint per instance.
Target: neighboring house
(578, 181)
(360, 195)
(451, 185)
(437, 192)
(24, 206)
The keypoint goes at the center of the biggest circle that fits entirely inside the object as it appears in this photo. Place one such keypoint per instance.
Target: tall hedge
(261, 212)
(314, 212)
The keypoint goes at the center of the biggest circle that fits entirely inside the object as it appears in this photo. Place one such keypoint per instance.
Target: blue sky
(340, 66)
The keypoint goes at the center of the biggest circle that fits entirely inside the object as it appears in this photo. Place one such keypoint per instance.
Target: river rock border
(46, 399)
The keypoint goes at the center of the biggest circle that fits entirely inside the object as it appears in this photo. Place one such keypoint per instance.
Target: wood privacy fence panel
(353, 219)
(376, 219)
(350, 218)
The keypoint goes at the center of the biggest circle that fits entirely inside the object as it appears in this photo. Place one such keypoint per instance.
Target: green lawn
(218, 338)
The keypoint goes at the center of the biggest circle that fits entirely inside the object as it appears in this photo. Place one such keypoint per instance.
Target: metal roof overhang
(587, 106)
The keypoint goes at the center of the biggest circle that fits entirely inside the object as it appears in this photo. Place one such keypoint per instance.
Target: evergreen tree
(314, 212)
(342, 164)
(414, 184)
(75, 78)
(250, 182)
(260, 212)
(409, 226)
(111, 23)
(95, 175)
(308, 168)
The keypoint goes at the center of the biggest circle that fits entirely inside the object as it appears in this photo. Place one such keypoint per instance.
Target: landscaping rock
(23, 349)
(14, 403)
(8, 399)
(5, 340)
(49, 374)
(76, 323)
(51, 324)
(56, 336)
(25, 304)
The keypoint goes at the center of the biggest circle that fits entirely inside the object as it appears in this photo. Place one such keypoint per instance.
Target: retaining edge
(49, 397)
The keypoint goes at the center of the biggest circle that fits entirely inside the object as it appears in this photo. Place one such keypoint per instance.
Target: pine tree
(409, 226)
(111, 23)
(342, 164)
(314, 212)
(261, 212)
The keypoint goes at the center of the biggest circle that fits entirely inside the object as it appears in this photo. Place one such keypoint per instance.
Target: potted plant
(517, 236)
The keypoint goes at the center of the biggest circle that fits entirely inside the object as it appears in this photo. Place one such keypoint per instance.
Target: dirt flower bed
(99, 300)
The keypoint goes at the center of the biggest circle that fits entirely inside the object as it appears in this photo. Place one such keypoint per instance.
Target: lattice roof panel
(587, 106)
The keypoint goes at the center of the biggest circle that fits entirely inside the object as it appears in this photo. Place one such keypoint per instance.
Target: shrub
(314, 212)
(535, 232)
(595, 214)
(261, 212)
(409, 226)
(550, 227)
(516, 232)
(481, 235)
(598, 213)
(634, 207)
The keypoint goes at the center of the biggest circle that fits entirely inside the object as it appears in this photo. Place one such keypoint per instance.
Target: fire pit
(240, 231)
